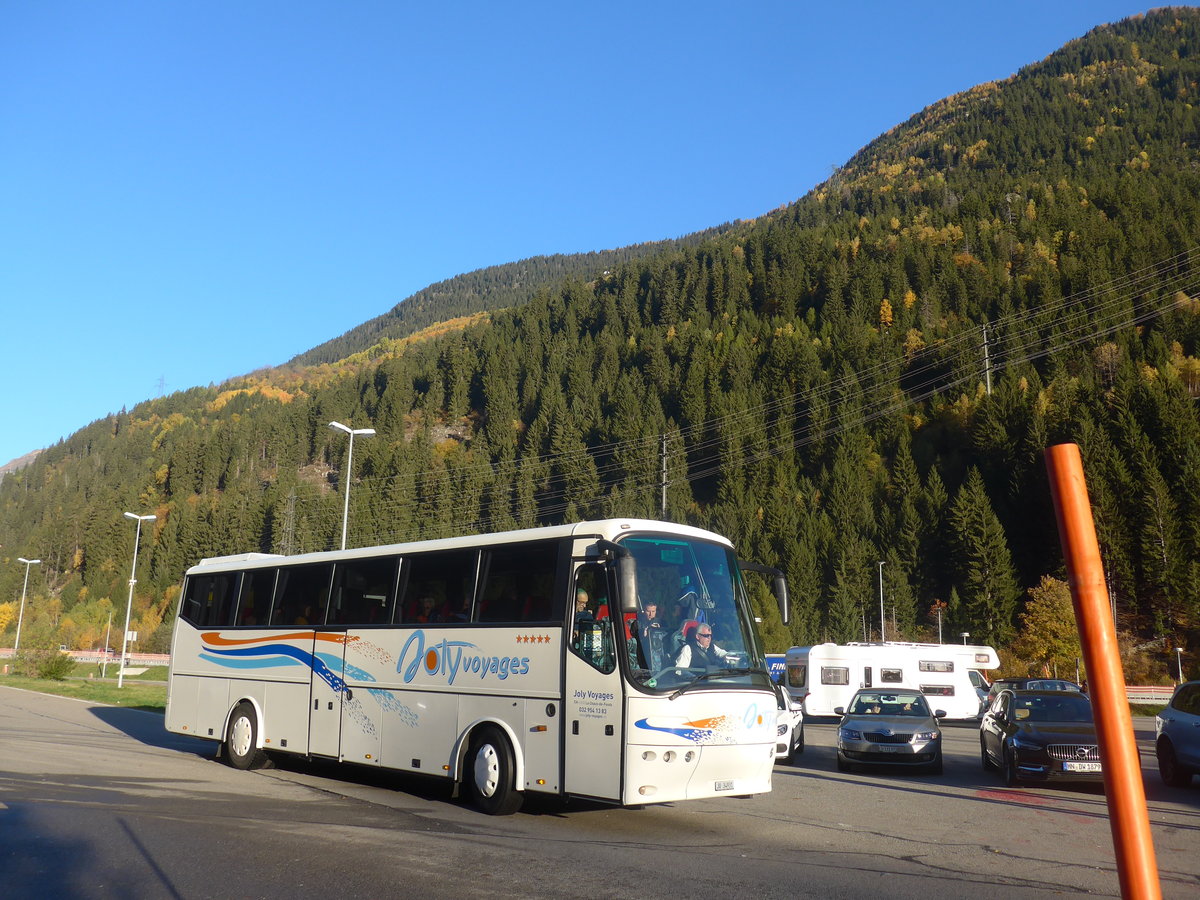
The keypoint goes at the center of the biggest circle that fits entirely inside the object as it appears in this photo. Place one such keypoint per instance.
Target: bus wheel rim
(487, 770)
(239, 738)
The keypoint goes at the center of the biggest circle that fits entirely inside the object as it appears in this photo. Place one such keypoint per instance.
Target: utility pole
(882, 615)
(663, 480)
(987, 362)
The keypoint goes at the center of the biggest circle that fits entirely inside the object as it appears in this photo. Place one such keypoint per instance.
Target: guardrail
(1149, 693)
(136, 659)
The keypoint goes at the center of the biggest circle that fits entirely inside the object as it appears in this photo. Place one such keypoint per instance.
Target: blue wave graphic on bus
(714, 730)
(267, 655)
(706, 731)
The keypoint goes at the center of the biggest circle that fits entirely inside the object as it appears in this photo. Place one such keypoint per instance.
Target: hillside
(485, 290)
(819, 378)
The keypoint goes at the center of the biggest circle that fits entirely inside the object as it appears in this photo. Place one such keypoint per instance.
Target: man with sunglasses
(699, 651)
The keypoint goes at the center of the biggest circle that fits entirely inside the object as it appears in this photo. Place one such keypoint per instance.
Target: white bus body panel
(683, 749)
(865, 664)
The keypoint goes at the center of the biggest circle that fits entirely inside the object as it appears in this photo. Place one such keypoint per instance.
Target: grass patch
(149, 697)
(1146, 709)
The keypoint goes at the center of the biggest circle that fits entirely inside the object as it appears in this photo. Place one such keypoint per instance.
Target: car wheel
(1169, 769)
(1011, 779)
(799, 741)
(241, 739)
(842, 765)
(491, 774)
(986, 760)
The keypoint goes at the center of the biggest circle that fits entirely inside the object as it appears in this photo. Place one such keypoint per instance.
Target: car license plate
(723, 786)
(891, 748)
(1072, 766)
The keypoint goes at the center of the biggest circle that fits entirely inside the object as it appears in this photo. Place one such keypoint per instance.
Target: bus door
(593, 698)
(328, 690)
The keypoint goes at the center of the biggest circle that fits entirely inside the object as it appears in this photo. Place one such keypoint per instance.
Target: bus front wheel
(491, 774)
(241, 739)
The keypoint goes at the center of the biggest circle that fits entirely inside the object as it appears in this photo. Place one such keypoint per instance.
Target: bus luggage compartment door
(328, 690)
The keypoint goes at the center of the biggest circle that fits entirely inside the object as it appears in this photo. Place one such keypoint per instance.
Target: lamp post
(132, 581)
(964, 635)
(21, 614)
(1178, 659)
(882, 637)
(364, 432)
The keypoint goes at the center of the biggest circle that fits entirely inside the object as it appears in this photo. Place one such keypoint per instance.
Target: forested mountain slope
(818, 379)
(485, 290)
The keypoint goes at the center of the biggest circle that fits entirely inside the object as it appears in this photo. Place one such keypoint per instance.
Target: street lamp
(132, 581)
(21, 614)
(1178, 659)
(964, 635)
(882, 637)
(365, 432)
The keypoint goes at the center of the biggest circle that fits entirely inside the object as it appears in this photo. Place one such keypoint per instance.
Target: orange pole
(1128, 817)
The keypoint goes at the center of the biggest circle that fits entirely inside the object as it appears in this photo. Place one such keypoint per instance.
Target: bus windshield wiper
(719, 673)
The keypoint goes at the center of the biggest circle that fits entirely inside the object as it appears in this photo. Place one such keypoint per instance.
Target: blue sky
(194, 190)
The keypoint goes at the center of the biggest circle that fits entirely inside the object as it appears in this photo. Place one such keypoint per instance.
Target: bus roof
(610, 529)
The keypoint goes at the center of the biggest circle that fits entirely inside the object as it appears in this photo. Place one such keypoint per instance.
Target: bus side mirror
(779, 584)
(627, 581)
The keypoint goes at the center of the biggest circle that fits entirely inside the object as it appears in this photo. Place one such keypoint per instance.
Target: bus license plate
(1081, 767)
(723, 786)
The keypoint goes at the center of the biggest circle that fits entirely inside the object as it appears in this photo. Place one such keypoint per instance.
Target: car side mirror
(839, 710)
(939, 714)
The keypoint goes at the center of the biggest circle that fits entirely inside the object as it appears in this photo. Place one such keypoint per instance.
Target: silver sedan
(891, 728)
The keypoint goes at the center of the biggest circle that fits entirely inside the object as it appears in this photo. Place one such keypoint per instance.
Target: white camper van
(948, 674)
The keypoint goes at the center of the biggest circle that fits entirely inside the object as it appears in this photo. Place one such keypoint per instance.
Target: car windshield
(883, 703)
(1066, 708)
(694, 624)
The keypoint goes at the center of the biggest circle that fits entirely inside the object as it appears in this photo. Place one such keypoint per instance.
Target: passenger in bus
(699, 651)
(651, 636)
(460, 614)
(425, 611)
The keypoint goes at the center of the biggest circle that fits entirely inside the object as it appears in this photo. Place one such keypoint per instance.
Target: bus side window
(362, 591)
(516, 583)
(301, 595)
(257, 587)
(446, 576)
(210, 599)
(592, 627)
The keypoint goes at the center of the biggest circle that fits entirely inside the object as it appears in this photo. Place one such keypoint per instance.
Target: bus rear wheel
(491, 774)
(241, 739)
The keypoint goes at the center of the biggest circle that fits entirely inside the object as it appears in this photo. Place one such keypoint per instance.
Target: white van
(825, 676)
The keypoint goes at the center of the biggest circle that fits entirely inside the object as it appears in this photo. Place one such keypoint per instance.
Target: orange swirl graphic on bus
(215, 637)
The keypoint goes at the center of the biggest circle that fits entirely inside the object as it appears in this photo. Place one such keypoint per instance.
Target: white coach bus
(507, 663)
(826, 676)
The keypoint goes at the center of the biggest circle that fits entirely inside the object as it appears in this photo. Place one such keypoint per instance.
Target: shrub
(43, 664)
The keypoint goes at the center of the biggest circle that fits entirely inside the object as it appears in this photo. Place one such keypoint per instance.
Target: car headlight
(781, 730)
(925, 736)
(849, 734)
(1021, 743)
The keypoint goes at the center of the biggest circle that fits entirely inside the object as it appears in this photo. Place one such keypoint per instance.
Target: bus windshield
(693, 623)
